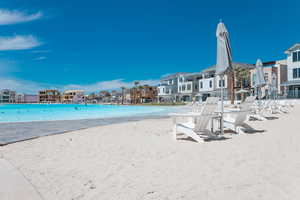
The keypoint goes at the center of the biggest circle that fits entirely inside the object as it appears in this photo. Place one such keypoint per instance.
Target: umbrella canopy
(224, 56)
(260, 79)
(242, 91)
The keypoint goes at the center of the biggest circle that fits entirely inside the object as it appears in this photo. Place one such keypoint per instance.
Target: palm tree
(242, 75)
(136, 83)
(123, 88)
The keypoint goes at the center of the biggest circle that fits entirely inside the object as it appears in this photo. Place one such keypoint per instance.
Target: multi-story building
(207, 83)
(7, 96)
(292, 85)
(73, 96)
(49, 96)
(188, 86)
(210, 84)
(31, 98)
(126, 96)
(269, 69)
(20, 98)
(281, 66)
(143, 94)
(168, 88)
(194, 86)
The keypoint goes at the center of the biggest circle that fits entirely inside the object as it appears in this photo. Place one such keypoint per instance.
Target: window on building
(163, 90)
(201, 84)
(196, 86)
(189, 87)
(179, 88)
(266, 76)
(210, 84)
(296, 73)
(183, 88)
(221, 83)
(296, 56)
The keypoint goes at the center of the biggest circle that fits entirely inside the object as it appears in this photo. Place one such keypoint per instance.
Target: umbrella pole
(222, 106)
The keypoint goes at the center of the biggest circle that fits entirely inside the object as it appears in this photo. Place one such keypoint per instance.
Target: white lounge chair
(235, 119)
(195, 124)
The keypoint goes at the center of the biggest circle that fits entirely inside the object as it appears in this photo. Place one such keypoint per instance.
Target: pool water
(49, 112)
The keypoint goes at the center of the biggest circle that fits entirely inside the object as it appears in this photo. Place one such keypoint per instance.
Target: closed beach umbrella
(260, 79)
(224, 56)
(224, 59)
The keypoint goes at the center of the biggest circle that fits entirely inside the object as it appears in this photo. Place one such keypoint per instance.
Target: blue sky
(97, 44)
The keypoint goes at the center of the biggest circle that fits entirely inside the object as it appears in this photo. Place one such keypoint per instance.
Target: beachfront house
(269, 68)
(26, 98)
(73, 96)
(167, 89)
(281, 66)
(7, 96)
(143, 94)
(207, 83)
(292, 85)
(210, 84)
(188, 86)
(49, 96)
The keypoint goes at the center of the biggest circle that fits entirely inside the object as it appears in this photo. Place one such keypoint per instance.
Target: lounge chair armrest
(185, 117)
(190, 114)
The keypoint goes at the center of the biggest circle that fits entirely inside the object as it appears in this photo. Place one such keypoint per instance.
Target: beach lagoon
(50, 112)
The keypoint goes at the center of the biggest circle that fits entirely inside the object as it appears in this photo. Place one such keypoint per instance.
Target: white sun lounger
(235, 119)
(195, 124)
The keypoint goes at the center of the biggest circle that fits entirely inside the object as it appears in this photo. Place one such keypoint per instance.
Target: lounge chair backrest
(241, 116)
(201, 121)
(246, 105)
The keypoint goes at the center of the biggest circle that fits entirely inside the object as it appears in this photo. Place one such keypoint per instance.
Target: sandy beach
(140, 160)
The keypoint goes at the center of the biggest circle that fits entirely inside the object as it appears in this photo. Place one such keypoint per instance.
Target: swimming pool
(50, 112)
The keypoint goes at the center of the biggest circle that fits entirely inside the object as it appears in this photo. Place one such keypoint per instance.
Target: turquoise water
(49, 112)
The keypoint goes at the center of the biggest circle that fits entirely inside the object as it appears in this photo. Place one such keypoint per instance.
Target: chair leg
(239, 130)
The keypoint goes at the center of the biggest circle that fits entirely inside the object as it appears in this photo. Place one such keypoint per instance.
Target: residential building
(31, 98)
(211, 84)
(207, 83)
(167, 90)
(292, 85)
(26, 98)
(73, 96)
(20, 98)
(188, 86)
(143, 94)
(104, 96)
(269, 69)
(116, 96)
(7, 96)
(127, 97)
(281, 66)
(49, 96)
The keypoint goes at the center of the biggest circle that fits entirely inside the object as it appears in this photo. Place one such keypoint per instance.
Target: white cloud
(14, 17)
(41, 51)
(18, 42)
(23, 86)
(40, 58)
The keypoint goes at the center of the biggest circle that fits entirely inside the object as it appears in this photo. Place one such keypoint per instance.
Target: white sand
(139, 160)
